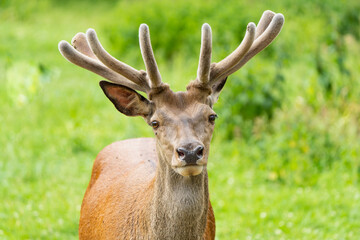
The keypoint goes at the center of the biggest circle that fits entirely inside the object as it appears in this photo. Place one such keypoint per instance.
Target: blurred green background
(285, 157)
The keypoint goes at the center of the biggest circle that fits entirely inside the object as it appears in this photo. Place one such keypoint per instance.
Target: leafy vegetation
(285, 158)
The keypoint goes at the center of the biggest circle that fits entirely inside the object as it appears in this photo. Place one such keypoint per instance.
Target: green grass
(289, 171)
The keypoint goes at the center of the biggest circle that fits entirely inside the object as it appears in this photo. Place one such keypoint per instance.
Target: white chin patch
(189, 170)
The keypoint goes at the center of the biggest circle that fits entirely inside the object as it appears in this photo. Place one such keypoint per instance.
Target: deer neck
(180, 204)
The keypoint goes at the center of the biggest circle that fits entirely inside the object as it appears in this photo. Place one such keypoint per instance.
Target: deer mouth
(189, 170)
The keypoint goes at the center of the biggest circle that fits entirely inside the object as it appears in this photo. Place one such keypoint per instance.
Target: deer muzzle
(190, 159)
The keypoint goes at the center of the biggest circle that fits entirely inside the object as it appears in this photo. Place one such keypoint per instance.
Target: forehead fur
(193, 111)
(164, 96)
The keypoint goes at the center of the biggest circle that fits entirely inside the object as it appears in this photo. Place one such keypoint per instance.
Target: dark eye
(155, 124)
(212, 118)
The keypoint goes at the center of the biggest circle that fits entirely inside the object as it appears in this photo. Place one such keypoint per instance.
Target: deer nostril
(199, 151)
(181, 153)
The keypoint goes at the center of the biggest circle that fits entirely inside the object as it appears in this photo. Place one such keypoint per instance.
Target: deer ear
(126, 100)
(216, 89)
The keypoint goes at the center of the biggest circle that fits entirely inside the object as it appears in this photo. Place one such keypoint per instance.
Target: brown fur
(120, 201)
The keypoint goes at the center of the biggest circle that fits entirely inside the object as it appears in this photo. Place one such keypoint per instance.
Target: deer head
(183, 122)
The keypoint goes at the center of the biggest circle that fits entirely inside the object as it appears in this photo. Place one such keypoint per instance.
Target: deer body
(121, 192)
(158, 188)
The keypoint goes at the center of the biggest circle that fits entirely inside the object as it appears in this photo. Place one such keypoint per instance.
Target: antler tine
(78, 58)
(80, 43)
(264, 22)
(218, 69)
(203, 71)
(269, 27)
(148, 56)
(127, 71)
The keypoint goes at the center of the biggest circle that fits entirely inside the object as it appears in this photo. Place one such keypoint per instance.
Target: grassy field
(285, 157)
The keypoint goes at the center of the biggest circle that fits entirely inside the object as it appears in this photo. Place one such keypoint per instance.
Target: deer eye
(155, 124)
(212, 118)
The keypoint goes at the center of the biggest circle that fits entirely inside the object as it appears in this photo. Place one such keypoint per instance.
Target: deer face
(182, 122)
(183, 127)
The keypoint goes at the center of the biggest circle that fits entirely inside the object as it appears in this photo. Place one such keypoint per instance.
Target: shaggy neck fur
(180, 204)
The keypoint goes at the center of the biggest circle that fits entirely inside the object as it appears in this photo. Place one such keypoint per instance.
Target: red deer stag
(158, 188)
